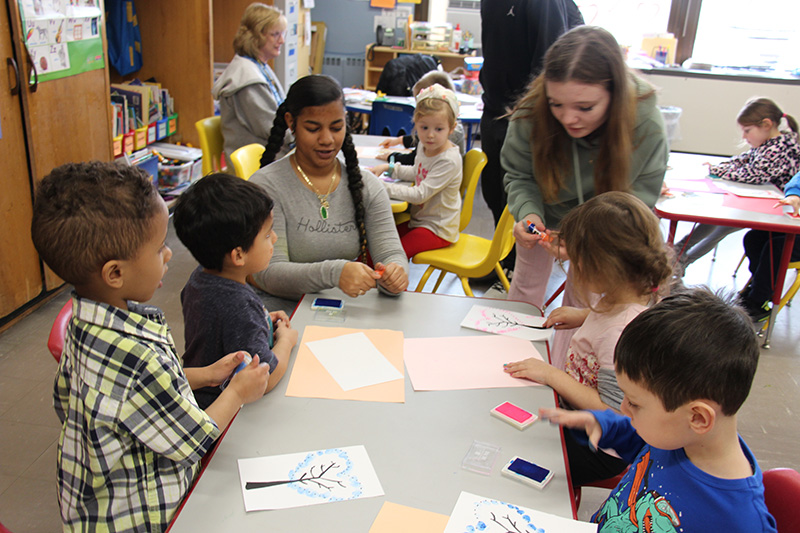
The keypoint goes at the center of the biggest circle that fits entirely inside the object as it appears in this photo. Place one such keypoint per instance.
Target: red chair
(55, 343)
(782, 493)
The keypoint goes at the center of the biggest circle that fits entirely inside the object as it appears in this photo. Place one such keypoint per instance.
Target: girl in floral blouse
(773, 157)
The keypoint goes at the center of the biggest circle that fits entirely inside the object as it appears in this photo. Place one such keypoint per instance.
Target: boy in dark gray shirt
(226, 223)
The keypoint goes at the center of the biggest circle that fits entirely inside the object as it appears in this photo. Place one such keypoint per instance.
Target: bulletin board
(62, 37)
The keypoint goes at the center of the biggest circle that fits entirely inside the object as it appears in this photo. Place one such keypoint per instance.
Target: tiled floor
(28, 426)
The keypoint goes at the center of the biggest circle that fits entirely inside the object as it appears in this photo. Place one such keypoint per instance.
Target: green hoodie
(648, 165)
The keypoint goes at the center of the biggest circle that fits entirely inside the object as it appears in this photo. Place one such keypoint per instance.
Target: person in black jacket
(515, 35)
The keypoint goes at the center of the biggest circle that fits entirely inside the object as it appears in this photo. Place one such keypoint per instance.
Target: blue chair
(391, 119)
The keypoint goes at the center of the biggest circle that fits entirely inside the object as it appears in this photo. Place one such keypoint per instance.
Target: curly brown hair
(614, 242)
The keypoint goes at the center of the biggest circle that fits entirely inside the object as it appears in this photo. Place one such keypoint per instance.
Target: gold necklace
(324, 206)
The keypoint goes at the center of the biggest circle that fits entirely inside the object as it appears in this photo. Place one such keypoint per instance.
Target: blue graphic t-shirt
(663, 491)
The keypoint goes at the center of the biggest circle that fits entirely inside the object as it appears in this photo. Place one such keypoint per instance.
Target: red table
(724, 210)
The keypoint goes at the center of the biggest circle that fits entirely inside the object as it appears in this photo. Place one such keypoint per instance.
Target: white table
(416, 447)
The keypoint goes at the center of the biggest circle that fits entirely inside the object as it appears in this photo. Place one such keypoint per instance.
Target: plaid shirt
(132, 434)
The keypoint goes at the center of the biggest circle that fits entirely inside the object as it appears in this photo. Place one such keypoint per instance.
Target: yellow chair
(474, 161)
(246, 160)
(787, 297)
(211, 144)
(470, 256)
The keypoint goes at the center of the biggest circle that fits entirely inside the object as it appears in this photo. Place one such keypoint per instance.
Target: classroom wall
(708, 122)
(351, 27)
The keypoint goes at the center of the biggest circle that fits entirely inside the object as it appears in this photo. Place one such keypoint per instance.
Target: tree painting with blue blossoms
(324, 474)
(492, 516)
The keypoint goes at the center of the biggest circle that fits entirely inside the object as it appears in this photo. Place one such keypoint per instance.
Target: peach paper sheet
(309, 378)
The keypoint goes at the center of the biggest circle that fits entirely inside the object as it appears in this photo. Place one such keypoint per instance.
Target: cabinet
(378, 56)
(43, 126)
(181, 40)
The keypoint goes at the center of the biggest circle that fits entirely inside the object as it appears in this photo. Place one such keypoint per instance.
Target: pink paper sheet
(702, 185)
(457, 363)
(760, 205)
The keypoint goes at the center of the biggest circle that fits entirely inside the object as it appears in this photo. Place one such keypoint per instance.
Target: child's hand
(251, 383)
(555, 247)
(279, 316)
(378, 170)
(577, 420)
(356, 279)
(285, 333)
(393, 277)
(531, 368)
(391, 141)
(566, 318)
(218, 372)
(793, 201)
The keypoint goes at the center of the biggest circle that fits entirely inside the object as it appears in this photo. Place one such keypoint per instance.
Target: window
(735, 33)
(628, 20)
(741, 33)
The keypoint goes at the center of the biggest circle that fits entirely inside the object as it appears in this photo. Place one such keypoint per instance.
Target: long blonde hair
(589, 55)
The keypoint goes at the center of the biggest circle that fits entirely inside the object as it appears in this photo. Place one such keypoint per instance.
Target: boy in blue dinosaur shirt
(132, 434)
(686, 366)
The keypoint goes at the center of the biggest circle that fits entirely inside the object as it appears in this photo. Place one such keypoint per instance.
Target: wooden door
(66, 120)
(20, 272)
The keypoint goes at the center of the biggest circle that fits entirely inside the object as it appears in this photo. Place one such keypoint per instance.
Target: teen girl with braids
(333, 220)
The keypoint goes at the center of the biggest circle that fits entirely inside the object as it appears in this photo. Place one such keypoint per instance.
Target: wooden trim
(684, 16)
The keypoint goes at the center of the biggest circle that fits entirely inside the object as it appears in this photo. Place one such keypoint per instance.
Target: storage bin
(173, 124)
(428, 36)
(117, 145)
(172, 176)
(140, 138)
(151, 133)
(162, 129)
(671, 116)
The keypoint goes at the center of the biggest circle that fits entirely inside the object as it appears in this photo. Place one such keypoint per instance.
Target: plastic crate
(172, 176)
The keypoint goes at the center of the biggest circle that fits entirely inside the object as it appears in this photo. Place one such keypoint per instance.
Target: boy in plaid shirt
(132, 434)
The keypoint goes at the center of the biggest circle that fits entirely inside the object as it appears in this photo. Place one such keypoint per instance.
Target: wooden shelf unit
(383, 54)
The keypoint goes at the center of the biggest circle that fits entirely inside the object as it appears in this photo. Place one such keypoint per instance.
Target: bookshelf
(383, 54)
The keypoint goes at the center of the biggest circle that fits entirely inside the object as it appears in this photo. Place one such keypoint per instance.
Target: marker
(532, 229)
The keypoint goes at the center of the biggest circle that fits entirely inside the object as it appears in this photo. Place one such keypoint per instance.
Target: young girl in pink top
(620, 266)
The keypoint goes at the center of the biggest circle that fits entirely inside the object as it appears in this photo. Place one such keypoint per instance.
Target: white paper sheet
(475, 513)
(504, 322)
(307, 478)
(353, 361)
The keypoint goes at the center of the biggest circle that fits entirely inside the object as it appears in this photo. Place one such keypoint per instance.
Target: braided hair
(312, 91)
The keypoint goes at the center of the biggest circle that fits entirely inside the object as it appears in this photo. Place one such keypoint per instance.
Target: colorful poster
(62, 36)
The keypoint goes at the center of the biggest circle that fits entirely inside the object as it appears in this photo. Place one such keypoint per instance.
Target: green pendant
(323, 212)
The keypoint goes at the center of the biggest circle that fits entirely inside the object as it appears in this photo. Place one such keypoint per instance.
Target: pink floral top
(590, 358)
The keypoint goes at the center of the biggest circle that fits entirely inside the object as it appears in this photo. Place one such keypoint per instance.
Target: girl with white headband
(435, 198)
